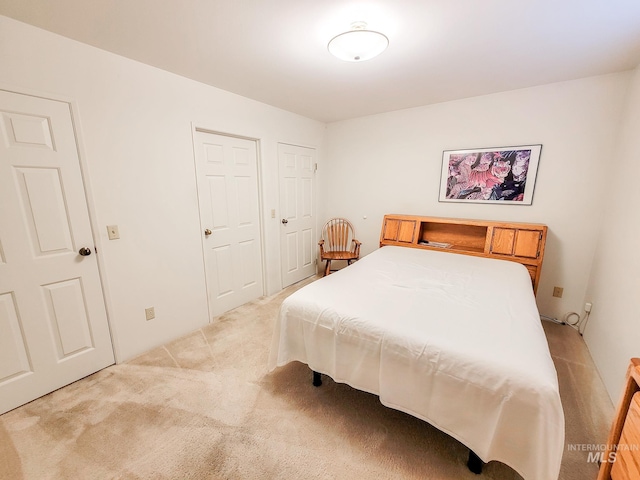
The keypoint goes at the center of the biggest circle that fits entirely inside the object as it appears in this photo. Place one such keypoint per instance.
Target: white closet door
(227, 175)
(53, 323)
(298, 242)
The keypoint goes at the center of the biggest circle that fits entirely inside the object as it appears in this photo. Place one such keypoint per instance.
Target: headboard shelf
(466, 237)
(517, 242)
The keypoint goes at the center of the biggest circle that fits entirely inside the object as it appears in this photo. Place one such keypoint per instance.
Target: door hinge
(315, 167)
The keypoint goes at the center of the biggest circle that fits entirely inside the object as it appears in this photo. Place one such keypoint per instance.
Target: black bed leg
(317, 379)
(474, 463)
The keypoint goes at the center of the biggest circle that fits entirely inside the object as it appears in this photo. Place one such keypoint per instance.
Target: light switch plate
(113, 232)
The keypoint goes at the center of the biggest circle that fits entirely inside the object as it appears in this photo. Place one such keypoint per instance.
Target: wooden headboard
(517, 242)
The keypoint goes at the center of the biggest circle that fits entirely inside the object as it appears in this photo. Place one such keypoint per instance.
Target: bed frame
(517, 242)
(474, 463)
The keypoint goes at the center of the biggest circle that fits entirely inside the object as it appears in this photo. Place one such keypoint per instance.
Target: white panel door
(227, 175)
(53, 323)
(298, 242)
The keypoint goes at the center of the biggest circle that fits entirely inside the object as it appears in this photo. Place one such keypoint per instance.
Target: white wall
(390, 163)
(135, 126)
(613, 331)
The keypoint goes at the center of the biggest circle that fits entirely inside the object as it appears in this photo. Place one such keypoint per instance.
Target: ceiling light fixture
(358, 44)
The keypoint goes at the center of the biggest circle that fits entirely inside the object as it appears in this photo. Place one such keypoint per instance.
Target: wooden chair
(337, 243)
(621, 458)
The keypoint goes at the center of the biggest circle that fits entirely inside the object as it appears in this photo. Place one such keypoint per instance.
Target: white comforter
(452, 339)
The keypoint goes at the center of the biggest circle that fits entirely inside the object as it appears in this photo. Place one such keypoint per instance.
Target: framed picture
(504, 175)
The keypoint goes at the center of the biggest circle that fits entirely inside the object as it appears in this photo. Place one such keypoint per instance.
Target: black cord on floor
(580, 324)
(552, 319)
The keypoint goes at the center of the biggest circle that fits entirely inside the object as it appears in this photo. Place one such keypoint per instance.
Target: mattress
(454, 340)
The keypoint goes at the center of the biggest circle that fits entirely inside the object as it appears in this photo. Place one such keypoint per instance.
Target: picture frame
(496, 175)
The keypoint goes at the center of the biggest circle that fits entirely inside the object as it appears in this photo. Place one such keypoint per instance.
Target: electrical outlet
(113, 232)
(150, 313)
(587, 307)
(557, 292)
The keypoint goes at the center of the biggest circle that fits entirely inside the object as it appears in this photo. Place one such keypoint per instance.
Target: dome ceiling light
(358, 44)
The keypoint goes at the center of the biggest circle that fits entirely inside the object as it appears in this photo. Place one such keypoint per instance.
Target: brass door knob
(84, 251)
(207, 232)
(285, 221)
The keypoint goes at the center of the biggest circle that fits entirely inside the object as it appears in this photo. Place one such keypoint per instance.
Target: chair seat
(339, 255)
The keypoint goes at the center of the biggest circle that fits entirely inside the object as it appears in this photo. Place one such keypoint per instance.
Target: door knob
(84, 251)
(207, 232)
(285, 221)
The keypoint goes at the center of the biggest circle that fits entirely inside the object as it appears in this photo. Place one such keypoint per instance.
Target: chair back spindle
(338, 233)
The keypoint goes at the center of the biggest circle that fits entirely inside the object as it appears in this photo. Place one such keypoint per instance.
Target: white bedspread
(452, 339)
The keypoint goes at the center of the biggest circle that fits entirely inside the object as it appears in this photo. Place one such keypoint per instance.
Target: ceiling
(275, 51)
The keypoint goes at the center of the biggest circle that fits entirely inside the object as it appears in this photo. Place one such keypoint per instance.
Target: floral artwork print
(490, 175)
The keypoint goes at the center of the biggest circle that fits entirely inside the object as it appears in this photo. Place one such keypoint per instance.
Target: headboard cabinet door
(517, 242)
(503, 241)
(527, 243)
(402, 231)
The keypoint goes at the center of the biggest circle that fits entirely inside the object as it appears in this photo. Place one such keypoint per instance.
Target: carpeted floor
(204, 407)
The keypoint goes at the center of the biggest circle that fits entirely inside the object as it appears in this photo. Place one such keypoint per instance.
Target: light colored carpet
(204, 407)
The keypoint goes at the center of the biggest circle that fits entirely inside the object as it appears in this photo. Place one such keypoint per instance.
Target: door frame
(76, 123)
(198, 127)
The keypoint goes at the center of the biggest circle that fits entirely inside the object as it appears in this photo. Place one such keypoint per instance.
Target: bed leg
(474, 463)
(317, 379)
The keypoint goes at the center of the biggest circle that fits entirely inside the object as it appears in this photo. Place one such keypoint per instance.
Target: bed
(454, 340)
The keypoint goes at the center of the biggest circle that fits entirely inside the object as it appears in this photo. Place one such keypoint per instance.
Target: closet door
(298, 242)
(227, 178)
(53, 322)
